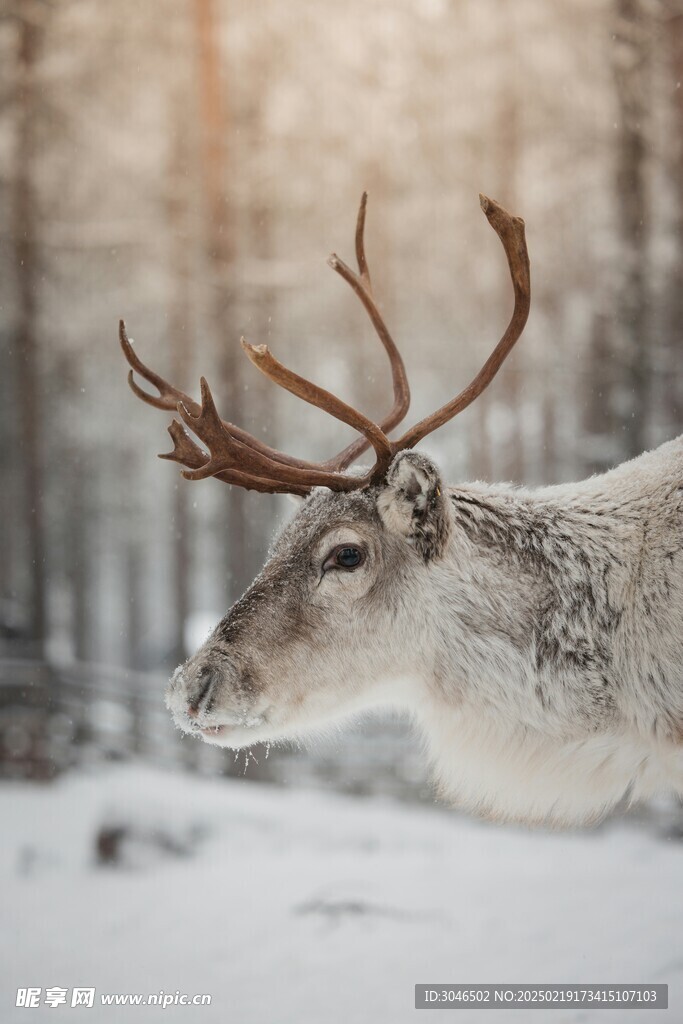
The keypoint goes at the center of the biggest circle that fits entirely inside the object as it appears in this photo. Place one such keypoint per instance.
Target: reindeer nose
(205, 680)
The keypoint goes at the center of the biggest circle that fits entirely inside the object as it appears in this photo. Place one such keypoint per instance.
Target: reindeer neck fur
(555, 625)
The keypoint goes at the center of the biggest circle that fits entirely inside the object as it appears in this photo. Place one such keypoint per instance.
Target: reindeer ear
(412, 503)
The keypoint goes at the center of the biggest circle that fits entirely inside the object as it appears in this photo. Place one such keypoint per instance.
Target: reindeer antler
(238, 458)
(510, 230)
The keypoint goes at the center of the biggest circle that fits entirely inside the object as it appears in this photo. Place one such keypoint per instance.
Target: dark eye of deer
(349, 558)
(344, 557)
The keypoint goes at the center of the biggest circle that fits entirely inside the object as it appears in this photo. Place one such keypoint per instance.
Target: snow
(300, 906)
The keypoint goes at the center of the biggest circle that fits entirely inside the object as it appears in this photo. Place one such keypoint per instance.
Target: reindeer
(535, 636)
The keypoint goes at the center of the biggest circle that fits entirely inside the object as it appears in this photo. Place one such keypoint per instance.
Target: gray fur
(535, 636)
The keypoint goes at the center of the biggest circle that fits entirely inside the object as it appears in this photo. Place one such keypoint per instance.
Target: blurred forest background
(189, 166)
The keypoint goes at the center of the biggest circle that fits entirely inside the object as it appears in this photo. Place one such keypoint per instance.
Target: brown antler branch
(169, 397)
(190, 455)
(510, 230)
(262, 358)
(227, 454)
(362, 286)
(238, 458)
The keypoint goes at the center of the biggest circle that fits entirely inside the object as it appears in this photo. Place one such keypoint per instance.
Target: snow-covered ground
(291, 907)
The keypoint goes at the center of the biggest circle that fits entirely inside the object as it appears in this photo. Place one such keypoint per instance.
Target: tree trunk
(79, 537)
(600, 426)
(511, 374)
(632, 43)
(28, 273)
(220, 229)
(507, 135)
(180, 342)
(672, 390)
(9, 473)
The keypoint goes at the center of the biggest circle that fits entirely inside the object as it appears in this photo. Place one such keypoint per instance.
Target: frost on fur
(536, 637)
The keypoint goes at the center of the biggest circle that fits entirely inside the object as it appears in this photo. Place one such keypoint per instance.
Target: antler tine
(510, 230)
(190, 455)
(234, 461)
(169, 397)
(185, 451)
(360, 243)
(262, 358)
(362, 286)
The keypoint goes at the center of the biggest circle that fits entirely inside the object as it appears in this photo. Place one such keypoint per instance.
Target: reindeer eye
(349, 558)
(345, 556)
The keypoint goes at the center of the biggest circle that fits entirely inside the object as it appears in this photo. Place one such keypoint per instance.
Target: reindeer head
(342, 607)
(336, 615)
